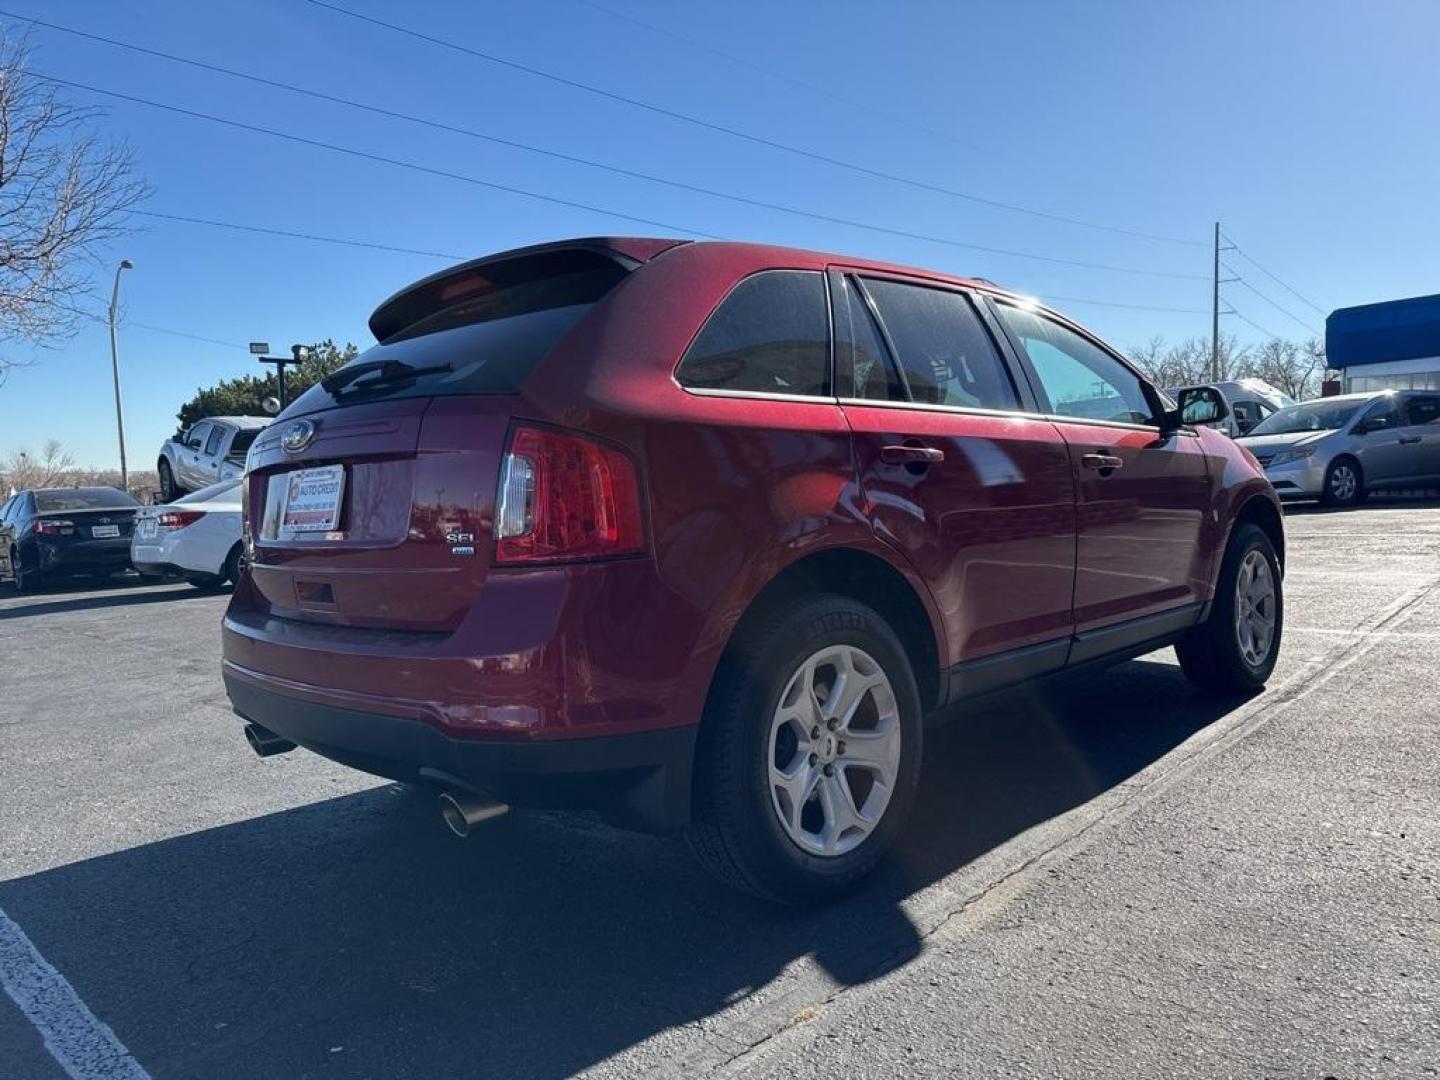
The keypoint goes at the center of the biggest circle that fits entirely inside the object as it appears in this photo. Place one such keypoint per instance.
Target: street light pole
(125, 264)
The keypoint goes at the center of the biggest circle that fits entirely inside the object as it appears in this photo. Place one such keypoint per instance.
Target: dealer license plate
(105, 532)
(312, 500)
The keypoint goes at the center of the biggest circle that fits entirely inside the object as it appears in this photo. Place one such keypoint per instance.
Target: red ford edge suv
(696, 534)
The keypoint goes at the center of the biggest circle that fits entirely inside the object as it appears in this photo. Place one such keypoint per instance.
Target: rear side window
(1424, 410)
(212, 444)
(488, 340)
(946, 356)
(770, 335)
(863, 368)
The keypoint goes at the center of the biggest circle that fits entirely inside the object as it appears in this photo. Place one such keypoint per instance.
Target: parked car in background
(697, 533)
(1338, 449)
(196, 537)
(209, 451)
(49, 533)
(1248, 401)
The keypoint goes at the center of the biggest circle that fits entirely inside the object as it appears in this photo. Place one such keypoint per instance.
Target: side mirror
(1197, 405)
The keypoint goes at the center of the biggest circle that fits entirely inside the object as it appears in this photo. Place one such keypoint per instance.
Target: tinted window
(863, 367)
(771, 334)
(240, 445)
(945, 355)
(212, 444)
(491, 342)
(1424, 410)
(1079, 378)
(196, 436)
(59, 500)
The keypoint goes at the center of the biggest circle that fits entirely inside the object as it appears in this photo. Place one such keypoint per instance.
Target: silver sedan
(1338, 449)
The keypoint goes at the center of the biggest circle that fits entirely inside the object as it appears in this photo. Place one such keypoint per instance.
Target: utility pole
(125, 264)
(1215, 313)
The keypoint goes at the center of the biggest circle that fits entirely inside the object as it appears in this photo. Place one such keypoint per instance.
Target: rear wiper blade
(380, 371)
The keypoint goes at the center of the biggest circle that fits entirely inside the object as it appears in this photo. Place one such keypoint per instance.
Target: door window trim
(1026, 403)
(765, 395)
(1023, 359)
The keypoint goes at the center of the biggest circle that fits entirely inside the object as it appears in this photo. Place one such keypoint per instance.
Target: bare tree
(23, 470)
(63, 192)
(1187, 363)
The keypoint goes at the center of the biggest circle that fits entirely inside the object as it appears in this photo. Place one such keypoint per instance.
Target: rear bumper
(639, 780)
(84, 555)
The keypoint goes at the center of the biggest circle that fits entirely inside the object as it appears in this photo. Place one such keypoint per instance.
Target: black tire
(234, 565)
(736, 831)
(169, 491)
(1339, 493)
(26, 581)
(1212, 655)
(205, 582)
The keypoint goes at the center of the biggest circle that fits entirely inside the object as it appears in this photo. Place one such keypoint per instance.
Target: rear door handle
(1103, 462)
(911, 455)
(1406, 440)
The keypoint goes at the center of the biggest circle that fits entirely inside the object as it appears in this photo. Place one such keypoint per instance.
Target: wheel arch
(869, 579)
(1260, 510)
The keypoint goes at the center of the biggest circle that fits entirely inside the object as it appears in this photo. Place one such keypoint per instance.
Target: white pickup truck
(209, 451)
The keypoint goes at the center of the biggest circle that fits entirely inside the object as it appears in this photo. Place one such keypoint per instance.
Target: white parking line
(85, 1047)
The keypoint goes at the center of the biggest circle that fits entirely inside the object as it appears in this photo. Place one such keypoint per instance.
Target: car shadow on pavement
(125, 595)
(355, 936)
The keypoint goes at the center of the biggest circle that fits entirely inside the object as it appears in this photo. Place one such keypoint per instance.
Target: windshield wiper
(381, 372)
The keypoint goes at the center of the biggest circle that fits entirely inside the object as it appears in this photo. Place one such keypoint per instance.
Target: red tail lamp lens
(563, 497)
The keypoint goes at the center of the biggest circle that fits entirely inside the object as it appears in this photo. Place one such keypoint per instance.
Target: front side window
(946, 356)
(1079, 378)
(196, 436)
(770, 335)
(1383, 414)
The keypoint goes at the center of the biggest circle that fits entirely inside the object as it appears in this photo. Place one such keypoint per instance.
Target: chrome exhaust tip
(463, 811)
(265, 742)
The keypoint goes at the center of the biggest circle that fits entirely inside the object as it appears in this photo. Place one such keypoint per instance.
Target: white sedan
(196, 537)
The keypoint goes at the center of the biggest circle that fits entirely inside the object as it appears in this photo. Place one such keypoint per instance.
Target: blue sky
(1306, 127)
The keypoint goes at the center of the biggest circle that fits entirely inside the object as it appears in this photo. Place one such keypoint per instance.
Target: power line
(414, 166)
(1252, 322)
(1131, 307)
(633, 174)
(1241, 251)
(1239, 280)
(758, 140)
(126, 323)
(750, 65)
(366, 155)
(299, 235)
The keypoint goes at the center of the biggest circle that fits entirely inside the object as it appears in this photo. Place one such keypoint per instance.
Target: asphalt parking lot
(1109, 877)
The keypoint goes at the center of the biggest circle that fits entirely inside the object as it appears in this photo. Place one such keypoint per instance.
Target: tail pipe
(265, 742)
(463, 811)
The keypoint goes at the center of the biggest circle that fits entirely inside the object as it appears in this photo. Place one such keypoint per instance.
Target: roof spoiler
(507, 268)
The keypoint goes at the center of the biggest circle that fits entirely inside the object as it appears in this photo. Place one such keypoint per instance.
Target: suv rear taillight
(178, 519)
(563, 497)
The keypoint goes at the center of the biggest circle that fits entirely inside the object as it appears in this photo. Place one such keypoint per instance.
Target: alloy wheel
(1255, 608)
(834, 751)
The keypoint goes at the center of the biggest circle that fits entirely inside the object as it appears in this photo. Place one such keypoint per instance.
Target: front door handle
(911, 455)
(1106, 463)
(1408, 439)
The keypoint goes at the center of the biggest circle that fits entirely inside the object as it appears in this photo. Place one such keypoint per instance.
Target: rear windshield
(240, 445)
(214, 491)
(491, 342)
(59, 501)
(1311, 416)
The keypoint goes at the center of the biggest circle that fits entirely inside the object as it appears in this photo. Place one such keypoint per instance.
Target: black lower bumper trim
(640, 781)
